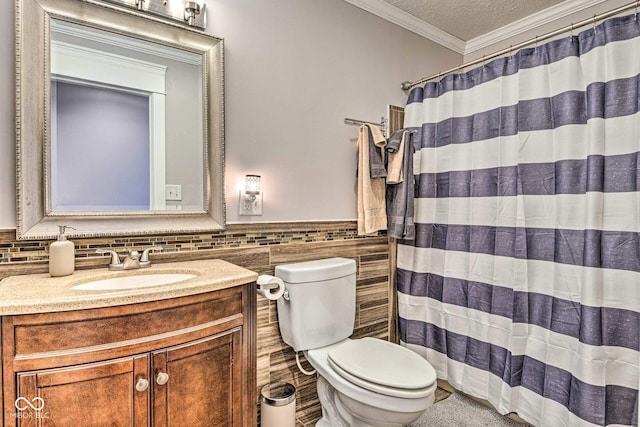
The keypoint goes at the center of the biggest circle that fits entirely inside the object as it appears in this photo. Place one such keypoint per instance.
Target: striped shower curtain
(522, 286)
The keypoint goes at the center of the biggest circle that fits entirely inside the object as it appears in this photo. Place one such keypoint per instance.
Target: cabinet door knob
(142, 384)
(162, 378)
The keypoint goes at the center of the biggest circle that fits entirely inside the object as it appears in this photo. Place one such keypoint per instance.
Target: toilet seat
(383, 367)
(319, 359)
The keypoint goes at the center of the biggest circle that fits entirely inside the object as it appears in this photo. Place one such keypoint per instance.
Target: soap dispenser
(62, 255)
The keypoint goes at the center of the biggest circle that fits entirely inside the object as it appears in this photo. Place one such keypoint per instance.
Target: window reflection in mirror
(126, 124)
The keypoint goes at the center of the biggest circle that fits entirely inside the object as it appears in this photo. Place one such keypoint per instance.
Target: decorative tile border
(235, 236)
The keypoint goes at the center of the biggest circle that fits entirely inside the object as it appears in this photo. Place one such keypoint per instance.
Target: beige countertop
(40, 293)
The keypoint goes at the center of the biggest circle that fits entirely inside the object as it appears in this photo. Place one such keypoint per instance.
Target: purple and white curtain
(522, 286)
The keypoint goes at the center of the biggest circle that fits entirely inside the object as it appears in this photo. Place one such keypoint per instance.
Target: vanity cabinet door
(109, 393)
(199, 383)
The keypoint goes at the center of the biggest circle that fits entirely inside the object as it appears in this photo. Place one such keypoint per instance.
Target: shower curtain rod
(408, 85)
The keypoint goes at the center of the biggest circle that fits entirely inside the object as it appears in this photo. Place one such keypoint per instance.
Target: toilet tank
(322, 302)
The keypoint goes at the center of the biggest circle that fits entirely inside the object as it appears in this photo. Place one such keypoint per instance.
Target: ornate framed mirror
(119, 122)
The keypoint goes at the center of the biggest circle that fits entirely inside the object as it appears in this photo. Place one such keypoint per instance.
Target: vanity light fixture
(251, 196)
(191, 11)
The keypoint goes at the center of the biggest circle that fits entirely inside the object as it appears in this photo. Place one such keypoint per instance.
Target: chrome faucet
(132, 261)
(144, 259)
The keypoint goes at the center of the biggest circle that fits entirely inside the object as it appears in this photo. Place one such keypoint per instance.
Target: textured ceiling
(467, 19)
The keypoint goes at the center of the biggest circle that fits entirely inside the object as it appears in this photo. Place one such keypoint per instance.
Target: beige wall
(294, 70)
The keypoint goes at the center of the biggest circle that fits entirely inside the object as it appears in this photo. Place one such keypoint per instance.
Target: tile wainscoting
(258, 247)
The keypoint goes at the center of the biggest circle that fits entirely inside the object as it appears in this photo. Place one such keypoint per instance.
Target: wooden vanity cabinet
(100, 393)
(193, 398)
(188, 361)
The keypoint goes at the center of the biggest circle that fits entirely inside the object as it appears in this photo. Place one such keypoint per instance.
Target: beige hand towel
(372, 213)
(395, 163)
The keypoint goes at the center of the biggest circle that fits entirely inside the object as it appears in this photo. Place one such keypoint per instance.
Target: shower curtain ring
(571, 33)
(594, 23)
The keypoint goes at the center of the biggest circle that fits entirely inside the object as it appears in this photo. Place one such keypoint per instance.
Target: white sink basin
(132, 282)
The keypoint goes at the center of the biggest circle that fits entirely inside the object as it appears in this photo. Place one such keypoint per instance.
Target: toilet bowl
(361, 382)
(393, 393)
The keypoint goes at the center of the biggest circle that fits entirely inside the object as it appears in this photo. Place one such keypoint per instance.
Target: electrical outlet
(173, 192)
(250, 205)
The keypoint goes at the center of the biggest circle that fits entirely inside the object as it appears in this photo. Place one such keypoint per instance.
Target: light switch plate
(173, 192)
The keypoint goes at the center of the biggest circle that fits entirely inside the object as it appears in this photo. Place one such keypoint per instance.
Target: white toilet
(361, 382)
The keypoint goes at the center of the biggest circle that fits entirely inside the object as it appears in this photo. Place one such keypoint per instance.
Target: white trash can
(278, 407)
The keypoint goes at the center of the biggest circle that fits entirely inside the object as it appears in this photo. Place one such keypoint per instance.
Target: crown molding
(530, 22)
(407, 21)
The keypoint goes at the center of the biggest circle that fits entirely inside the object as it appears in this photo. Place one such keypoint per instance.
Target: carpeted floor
(460, 411)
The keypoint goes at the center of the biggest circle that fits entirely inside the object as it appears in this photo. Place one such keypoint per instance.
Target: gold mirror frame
(33, 18)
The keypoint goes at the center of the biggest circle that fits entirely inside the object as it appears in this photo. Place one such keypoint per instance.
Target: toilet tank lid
(314, 271)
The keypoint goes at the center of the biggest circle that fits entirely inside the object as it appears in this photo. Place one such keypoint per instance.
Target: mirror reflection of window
(86, 149)
(114, 69)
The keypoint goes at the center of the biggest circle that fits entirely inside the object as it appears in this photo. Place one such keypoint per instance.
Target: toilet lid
(382, 363)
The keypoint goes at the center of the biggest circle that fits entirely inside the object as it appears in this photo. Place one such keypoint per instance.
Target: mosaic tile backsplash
(235, 236)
